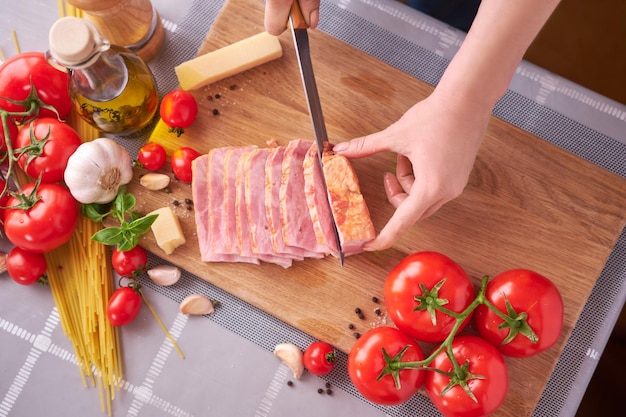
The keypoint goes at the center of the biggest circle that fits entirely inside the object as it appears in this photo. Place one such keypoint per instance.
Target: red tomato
(25, 267)
(181, 163)
(414, 316)
(366, 362)
(44, 146)
(152, 156)
(131, 262)
(13, 132)
(123, 306)
(319, 358)
(537, 311)
(51, 84)
(47, 224)
(178, 110)
(482, 368)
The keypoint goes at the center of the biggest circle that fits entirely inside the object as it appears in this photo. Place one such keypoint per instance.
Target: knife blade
(299, 30)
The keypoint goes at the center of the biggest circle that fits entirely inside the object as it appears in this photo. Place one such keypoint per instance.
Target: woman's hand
(436, 141)
(277, 14)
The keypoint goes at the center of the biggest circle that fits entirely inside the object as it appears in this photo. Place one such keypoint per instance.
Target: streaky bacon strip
(267, 204)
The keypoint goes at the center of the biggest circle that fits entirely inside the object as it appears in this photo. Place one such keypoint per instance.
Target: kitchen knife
(299, 29)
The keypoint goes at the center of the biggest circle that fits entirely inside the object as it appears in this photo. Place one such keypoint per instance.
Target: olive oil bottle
(111, 87)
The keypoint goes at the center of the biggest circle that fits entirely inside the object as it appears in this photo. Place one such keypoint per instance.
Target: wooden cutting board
(528, 203)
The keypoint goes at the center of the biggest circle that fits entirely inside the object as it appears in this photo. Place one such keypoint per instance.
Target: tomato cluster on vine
(431, 300)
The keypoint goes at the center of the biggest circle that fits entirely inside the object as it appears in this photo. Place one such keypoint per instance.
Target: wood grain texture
(528, 203)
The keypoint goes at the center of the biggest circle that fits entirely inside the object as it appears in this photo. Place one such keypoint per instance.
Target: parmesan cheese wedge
(167, 231)
(229, 60)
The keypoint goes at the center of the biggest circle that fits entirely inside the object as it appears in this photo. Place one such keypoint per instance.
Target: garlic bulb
(96, 170)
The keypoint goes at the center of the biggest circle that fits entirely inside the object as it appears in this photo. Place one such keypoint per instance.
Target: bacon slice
(296, 219)
(354, 224)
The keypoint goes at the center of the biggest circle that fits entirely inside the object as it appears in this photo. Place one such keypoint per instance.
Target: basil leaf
(141, 225)
(108, 236)
(95, 212)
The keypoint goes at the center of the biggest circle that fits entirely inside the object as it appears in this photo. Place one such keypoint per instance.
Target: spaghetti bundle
(81, 283)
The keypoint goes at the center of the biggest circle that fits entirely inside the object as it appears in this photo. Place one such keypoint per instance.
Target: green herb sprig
(131, 224)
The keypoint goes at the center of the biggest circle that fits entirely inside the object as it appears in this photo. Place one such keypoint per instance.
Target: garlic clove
(292, 356)
(196, 304)
(154, 181)
(164, 275)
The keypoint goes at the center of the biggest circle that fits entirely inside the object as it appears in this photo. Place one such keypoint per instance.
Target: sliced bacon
(268, 204)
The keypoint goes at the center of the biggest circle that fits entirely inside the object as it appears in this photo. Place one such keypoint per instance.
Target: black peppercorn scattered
(351, 326)
(188, 201)
(216, 112)
(375, 299)
(329, 391)
(357, 310)
(377, 311)
(320, 391)
(290, 383)
(218, 96)
(233, 87)
(327, 385)
(357, 335)
(176, 203)
(361, 316)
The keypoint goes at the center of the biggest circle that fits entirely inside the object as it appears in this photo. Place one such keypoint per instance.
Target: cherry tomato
(435, 278)
(319, 358)
(51, 84)
(152, 156)
(181, 163)
(25, 267)
(178, 110)
(129, 263)
(13, 132)
(366, 362)
(47, 223)
(44, 146)
(536, 309)
(483, 370)
(123, 306)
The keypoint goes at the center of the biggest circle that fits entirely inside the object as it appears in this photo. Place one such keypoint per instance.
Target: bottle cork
(134, 24)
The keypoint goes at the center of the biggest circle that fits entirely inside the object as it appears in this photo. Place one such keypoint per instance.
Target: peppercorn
(176, 203)
(218, 96)
(233, 87)
(357, 335)
(361, 316)
(216, 112)
(375, 299)
(327, 385)
(351, 326)
(329, 391)
(320, 391)
(357, 310)
(377, 311)
(290, 383)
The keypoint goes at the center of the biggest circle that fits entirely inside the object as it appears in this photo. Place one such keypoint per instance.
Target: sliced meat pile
(269, 204)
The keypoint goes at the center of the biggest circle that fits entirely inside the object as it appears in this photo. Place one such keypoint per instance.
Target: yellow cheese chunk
(229, 60)
(167, 230)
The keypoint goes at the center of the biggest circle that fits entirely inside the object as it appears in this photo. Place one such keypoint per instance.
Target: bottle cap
(73, 41)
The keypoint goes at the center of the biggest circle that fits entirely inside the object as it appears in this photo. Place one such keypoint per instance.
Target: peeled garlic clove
(292, 356)
(164, 275)
(154, 181)
(196, 304)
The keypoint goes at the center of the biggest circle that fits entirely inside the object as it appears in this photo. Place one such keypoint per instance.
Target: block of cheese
(229, 60)
(167, 230)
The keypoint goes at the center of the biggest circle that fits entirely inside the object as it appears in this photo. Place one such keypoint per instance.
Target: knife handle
(296, 16)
